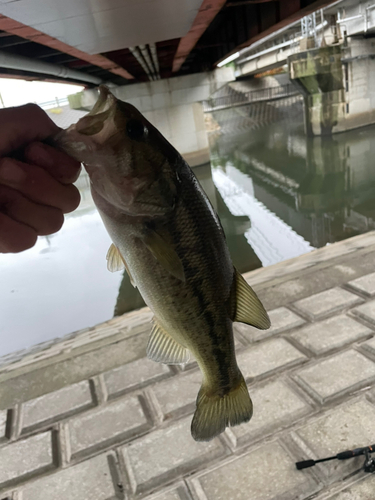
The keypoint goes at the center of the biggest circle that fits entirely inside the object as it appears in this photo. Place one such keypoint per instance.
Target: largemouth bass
(169, 238)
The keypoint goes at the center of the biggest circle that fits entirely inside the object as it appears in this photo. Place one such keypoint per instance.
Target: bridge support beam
(318, 74)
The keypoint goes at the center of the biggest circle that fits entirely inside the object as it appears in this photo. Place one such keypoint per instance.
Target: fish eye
(135, 129)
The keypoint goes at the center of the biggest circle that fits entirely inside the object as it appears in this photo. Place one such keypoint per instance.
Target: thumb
(21, 125)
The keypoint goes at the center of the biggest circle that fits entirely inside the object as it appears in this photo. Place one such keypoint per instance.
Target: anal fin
(162, 348)
(249, 308)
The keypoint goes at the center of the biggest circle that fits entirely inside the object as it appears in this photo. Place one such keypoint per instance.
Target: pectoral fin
(249, 308)
(162, 348)
(116, 262)
(165, 254)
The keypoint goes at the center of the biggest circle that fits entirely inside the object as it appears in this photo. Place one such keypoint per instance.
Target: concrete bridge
(322, 49)
(329, 56)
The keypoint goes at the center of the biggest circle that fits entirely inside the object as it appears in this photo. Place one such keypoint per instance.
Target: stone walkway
(89, 418)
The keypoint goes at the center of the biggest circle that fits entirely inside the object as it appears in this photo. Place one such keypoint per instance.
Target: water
(321, 189)
(278, 194)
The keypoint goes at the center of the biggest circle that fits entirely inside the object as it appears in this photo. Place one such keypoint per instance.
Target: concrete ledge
(87, 353)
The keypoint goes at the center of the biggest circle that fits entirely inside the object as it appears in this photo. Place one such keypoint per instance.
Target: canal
(278, 194)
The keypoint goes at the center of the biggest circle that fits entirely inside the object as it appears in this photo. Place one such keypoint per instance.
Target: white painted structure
(359, 82)
(97, 26)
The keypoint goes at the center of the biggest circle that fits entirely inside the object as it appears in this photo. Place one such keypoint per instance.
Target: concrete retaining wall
(173, 106)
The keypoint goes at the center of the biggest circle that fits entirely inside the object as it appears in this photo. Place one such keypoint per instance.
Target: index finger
(61, 166)
(21, 125)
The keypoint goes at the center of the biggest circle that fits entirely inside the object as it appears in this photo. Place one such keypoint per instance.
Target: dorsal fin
(162, 348)
(249, 308)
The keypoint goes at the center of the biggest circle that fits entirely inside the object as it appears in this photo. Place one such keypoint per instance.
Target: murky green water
(278, 194)
(323, 189)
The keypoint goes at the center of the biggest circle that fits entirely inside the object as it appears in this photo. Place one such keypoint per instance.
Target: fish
(168, 237)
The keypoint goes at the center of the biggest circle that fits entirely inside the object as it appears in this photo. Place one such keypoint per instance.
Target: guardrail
(243, 98)
(56, 103)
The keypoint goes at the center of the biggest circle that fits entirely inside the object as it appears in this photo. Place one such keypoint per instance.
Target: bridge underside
(217, 29)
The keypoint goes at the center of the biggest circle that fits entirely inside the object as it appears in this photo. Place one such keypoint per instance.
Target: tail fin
(215, 413)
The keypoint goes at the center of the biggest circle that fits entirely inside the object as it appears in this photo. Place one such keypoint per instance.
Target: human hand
(35, 179)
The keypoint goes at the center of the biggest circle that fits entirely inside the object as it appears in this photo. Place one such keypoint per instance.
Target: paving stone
(369, 345)
(281, 319)
(267, 473)
(267, 357)
(292, 288)
(107, 424)
(238, 340)
(164, 454)
(346, 270)
(361, 490)
(366, 311)
(332, 333)
(134, 375)
(275, 406)
(325, 303)
(171, 495)
(25, 458)
(177, 493)
(56, 405)
(55, 376)
(365, 284)
(333, 377)
(88, 480)
(3, 422)
(178, 394)
(349, 426)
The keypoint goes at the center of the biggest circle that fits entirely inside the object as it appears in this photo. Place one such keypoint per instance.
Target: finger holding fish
(37, 185)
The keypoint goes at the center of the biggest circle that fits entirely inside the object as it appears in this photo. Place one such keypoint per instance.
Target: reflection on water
(278, 194)
(323, 189)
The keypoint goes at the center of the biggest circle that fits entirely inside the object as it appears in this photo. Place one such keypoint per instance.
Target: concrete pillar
(319, 75)
(173, 106)
(359, 79)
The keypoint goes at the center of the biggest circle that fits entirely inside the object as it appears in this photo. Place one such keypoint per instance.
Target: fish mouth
(101, 114)
(92, 131)
(105, 101)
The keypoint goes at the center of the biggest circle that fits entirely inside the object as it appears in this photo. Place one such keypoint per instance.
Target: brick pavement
(88, 417)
